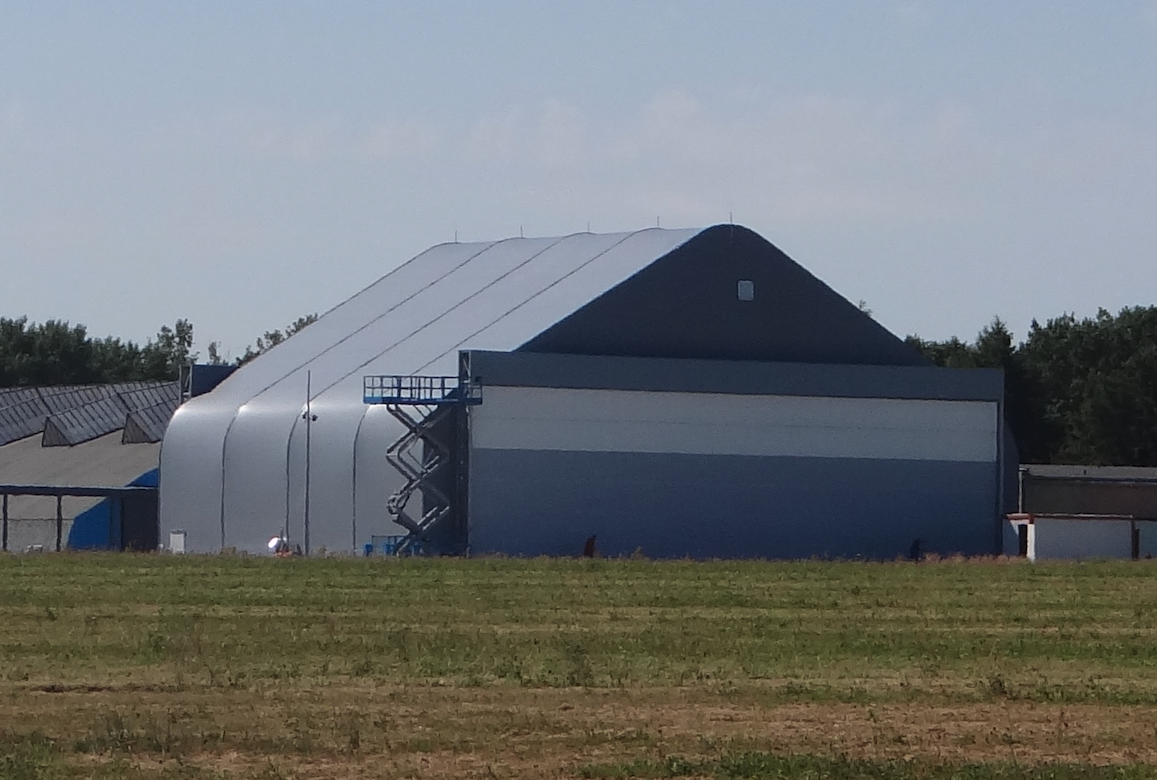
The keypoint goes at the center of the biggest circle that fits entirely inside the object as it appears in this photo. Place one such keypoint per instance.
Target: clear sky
(243, 163)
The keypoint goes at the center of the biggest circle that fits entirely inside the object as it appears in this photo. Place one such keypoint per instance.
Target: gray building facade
(724, 459)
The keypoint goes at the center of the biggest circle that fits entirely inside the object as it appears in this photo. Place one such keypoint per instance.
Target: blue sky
(241, 164)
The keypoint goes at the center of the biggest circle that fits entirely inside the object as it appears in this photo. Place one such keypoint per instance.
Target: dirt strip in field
(395, 731)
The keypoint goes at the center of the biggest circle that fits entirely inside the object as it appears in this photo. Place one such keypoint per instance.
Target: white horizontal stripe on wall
(536, 418)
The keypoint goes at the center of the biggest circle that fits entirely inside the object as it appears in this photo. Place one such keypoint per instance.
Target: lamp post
(309, 418)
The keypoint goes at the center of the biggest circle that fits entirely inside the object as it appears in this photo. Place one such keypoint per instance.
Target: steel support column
(59, 522)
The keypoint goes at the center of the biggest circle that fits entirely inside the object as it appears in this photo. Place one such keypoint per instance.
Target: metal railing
(419, 390)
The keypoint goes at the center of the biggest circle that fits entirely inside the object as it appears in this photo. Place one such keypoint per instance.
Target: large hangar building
(679, 392)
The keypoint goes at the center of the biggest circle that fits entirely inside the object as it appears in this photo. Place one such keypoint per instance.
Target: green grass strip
(769, 766)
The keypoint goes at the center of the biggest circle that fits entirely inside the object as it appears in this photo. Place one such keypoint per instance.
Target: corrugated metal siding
(601, 372)
(1076, 496)
(727, 506)
(708, 474)
(535, 418)
(1087, 540)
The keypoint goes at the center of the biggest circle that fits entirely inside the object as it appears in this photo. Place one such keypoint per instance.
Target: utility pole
(309, 418)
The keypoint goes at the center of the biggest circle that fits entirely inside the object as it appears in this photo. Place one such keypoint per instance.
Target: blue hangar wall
(724, 402)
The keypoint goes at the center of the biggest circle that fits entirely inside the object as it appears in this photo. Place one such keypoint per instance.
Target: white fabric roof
(232, 459)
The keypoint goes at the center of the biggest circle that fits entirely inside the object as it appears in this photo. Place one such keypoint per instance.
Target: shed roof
(1089, 473)
(100, 462)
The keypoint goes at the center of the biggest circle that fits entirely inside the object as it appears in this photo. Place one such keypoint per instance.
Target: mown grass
(198, 639)
(842, 631)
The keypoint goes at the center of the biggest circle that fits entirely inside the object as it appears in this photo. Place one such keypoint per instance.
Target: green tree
(116, 361)
(172, 350)
(53, 353)
(271, 338)
(1099, 380)
(57, 353)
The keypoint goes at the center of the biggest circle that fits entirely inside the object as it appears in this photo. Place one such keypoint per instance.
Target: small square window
(746, 290)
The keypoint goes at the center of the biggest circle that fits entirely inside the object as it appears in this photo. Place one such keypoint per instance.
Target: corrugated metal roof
(142, 395)
(148, 424)
(22, 419)
(83, 423)
(62, 398)
(70, 414)
(12, 396)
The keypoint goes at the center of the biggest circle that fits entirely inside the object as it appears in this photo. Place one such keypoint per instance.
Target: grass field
(126, 666)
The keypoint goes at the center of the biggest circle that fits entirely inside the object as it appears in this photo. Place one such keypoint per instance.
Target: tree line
(57, 353)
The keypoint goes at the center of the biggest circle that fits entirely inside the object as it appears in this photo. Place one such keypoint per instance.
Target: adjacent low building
(58, 443)
(1086, 512)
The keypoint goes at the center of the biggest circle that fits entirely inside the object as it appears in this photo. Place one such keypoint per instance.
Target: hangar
(680, 392)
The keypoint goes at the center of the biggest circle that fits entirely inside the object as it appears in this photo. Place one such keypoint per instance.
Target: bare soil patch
(398, 731)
